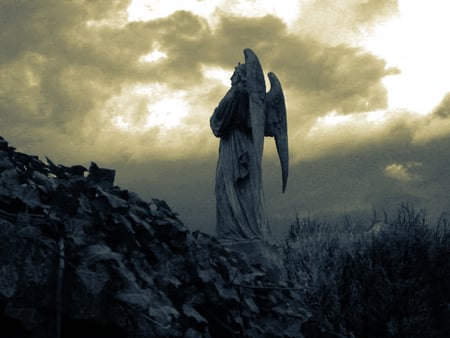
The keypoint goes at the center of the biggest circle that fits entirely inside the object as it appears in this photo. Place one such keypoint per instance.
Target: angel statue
(243, 117)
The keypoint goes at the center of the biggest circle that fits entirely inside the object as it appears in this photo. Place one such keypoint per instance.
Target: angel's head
(239, 75)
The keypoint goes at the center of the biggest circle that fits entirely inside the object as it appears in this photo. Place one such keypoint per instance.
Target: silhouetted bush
(392, 280)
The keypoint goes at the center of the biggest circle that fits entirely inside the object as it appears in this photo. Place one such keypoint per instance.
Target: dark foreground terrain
(80, 257)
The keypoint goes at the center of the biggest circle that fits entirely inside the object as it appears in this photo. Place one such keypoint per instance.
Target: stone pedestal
(259, 254)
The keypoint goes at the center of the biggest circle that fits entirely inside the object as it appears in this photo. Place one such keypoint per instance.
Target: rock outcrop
(80, 257)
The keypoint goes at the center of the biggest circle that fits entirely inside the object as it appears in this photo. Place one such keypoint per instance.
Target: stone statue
(243, 117)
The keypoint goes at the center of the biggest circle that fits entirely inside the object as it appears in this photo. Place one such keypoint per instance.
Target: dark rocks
(101, 177)
(83, 257)
(3, 144)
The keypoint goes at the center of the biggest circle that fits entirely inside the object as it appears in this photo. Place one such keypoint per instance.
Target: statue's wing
(276, 124)
(257, 93)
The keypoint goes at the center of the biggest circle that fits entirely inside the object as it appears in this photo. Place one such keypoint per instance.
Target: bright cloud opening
(333, 119)
(415, 42)
(217, 74)
(345, 132)
(376, 117)
(402, 172)
(361, 120)
(143, 107)
(153, 56)
(167, 113)
(288, 11)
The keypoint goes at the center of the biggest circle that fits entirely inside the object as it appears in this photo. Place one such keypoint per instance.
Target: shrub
(390, 283)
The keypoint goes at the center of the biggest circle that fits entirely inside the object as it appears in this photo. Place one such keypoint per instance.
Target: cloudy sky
(131, 85)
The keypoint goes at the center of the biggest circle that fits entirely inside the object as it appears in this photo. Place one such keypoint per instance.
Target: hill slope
(80, 257)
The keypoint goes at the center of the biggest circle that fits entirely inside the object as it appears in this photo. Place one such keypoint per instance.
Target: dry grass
(392, 280)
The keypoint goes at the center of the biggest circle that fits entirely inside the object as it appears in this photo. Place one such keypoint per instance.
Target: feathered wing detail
(276, 124)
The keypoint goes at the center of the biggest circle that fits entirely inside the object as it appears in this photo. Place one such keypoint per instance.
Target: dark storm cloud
(235, 33)
(353, 183)
(434, 126)
(63, 63)
(47, 72)
(78, 61)
(343, 78)
(72, 61)
(356, 183)
(68, 68)
(318, 78)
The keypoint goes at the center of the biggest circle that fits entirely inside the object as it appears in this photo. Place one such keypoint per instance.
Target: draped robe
(240, 204)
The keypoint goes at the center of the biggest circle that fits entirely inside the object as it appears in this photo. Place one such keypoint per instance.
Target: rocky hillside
(80, 257)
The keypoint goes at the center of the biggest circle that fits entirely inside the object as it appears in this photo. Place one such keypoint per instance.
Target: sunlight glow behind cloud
(402, 172)
(217, 74)
(360, 120)
(415, 43)
(167, 113)
(153, 67)
(130, 83)
(400, 40)
(343, 132)
(152, 105)
(154, 56)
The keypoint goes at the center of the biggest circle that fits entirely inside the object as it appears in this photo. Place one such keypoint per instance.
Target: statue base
(260, 254)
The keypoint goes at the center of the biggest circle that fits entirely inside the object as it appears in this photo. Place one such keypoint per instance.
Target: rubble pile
(80, 257)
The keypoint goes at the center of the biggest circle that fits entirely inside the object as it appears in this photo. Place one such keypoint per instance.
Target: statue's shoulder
(236, 91)
(240, 89)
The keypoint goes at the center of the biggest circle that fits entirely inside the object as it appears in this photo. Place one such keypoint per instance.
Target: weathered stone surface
(243, 117)
(259, 253)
